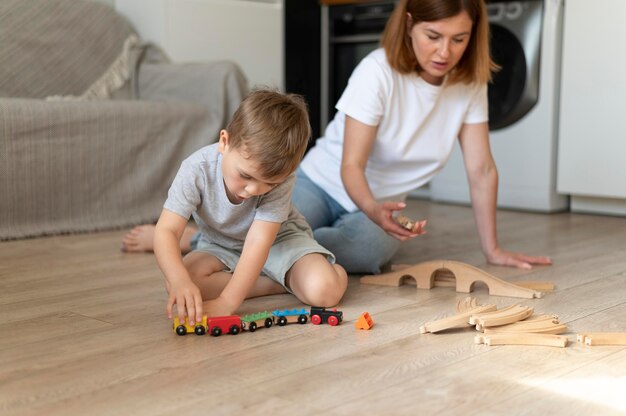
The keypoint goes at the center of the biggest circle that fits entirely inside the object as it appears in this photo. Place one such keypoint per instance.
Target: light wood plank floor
(83, 331)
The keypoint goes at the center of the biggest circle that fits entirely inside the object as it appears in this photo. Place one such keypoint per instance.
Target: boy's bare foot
(140, 239)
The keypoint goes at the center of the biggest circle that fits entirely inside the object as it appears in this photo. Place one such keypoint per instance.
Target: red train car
(218, 325)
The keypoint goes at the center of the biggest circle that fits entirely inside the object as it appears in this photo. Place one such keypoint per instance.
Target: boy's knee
(198, 268)
(326, 289)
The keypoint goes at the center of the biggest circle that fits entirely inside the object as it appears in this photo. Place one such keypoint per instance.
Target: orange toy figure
(364, 322)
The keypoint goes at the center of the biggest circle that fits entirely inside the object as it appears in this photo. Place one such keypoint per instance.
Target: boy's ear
(223, 143)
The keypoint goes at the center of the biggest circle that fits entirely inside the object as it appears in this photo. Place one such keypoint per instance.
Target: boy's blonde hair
(272, 129)
(476, 64)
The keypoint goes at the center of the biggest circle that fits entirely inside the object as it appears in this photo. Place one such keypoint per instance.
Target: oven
(349, 32)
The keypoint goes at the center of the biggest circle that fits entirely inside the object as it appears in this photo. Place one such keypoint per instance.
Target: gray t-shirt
(199, 191)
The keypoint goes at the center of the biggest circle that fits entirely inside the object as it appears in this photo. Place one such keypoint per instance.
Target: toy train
(234, 324)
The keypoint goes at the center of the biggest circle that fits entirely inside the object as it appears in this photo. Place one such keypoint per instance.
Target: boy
(253, 242)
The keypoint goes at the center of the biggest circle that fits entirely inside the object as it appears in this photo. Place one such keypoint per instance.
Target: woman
(397, 120)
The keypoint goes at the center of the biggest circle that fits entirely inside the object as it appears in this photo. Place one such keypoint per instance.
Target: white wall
(249, 32)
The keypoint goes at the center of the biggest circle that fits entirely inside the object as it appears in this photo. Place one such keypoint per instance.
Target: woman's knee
(359, 248)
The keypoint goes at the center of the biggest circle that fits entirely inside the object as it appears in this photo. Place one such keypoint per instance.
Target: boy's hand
(218, 307)
(186, 295)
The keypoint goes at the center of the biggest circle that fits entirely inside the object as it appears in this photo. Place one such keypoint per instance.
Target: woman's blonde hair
(271, 129)
(476, 64)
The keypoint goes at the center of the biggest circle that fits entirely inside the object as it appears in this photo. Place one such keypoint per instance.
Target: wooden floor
(83, 331)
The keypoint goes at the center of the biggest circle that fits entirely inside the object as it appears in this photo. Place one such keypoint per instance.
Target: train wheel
(316, 320)
(302, 319)
(252, 327)
(199, 330)
(216, 331)
(234, 330)
(333, 321)
(269, 322)
(181, 330)
(282, 321)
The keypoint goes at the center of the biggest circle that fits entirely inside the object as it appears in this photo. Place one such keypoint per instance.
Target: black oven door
(346, 56)
(353, 32)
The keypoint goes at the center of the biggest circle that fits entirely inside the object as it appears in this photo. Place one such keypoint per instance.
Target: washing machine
(523, 109)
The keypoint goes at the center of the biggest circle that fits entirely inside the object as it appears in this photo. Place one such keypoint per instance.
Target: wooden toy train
(218, 325)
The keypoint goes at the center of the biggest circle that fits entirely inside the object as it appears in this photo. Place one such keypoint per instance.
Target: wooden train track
(602, 338)
(465, 276)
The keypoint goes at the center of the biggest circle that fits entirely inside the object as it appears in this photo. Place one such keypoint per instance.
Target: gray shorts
(294, 240)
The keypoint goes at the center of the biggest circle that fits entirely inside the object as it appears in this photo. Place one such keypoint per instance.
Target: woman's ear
(409, 23)
(223, 143)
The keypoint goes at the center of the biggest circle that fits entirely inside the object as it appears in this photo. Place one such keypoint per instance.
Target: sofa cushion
(57, 47)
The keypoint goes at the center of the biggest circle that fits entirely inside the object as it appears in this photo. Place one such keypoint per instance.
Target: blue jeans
(359, 244)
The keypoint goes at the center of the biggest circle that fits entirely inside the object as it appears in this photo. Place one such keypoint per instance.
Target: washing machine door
(515, 46)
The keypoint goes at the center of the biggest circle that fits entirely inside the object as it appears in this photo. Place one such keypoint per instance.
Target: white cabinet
(249, 32)
(592, 132)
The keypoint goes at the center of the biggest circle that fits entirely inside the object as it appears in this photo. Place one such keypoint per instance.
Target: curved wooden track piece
(508, 317)
(499, 312)
(540, 318)
(540, 324)
(466, 305)
(459, 320)
(465, 275)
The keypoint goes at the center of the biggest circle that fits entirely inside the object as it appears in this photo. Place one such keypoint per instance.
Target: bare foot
(140, 239)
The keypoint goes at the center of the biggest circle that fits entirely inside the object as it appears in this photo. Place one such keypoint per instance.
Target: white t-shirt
(417, 126)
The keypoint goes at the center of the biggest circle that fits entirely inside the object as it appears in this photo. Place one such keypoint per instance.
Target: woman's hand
(521, 261)
(186, 295)
(382, 215)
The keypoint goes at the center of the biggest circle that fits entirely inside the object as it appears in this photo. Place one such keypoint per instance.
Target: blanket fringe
(112, 79)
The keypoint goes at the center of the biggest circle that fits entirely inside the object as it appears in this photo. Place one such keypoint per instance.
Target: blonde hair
(476, 64)
(272, 129)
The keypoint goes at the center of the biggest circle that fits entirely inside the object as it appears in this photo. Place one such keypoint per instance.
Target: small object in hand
(406, 222)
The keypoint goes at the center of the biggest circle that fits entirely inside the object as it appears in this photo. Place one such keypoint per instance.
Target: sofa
(94, 122)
